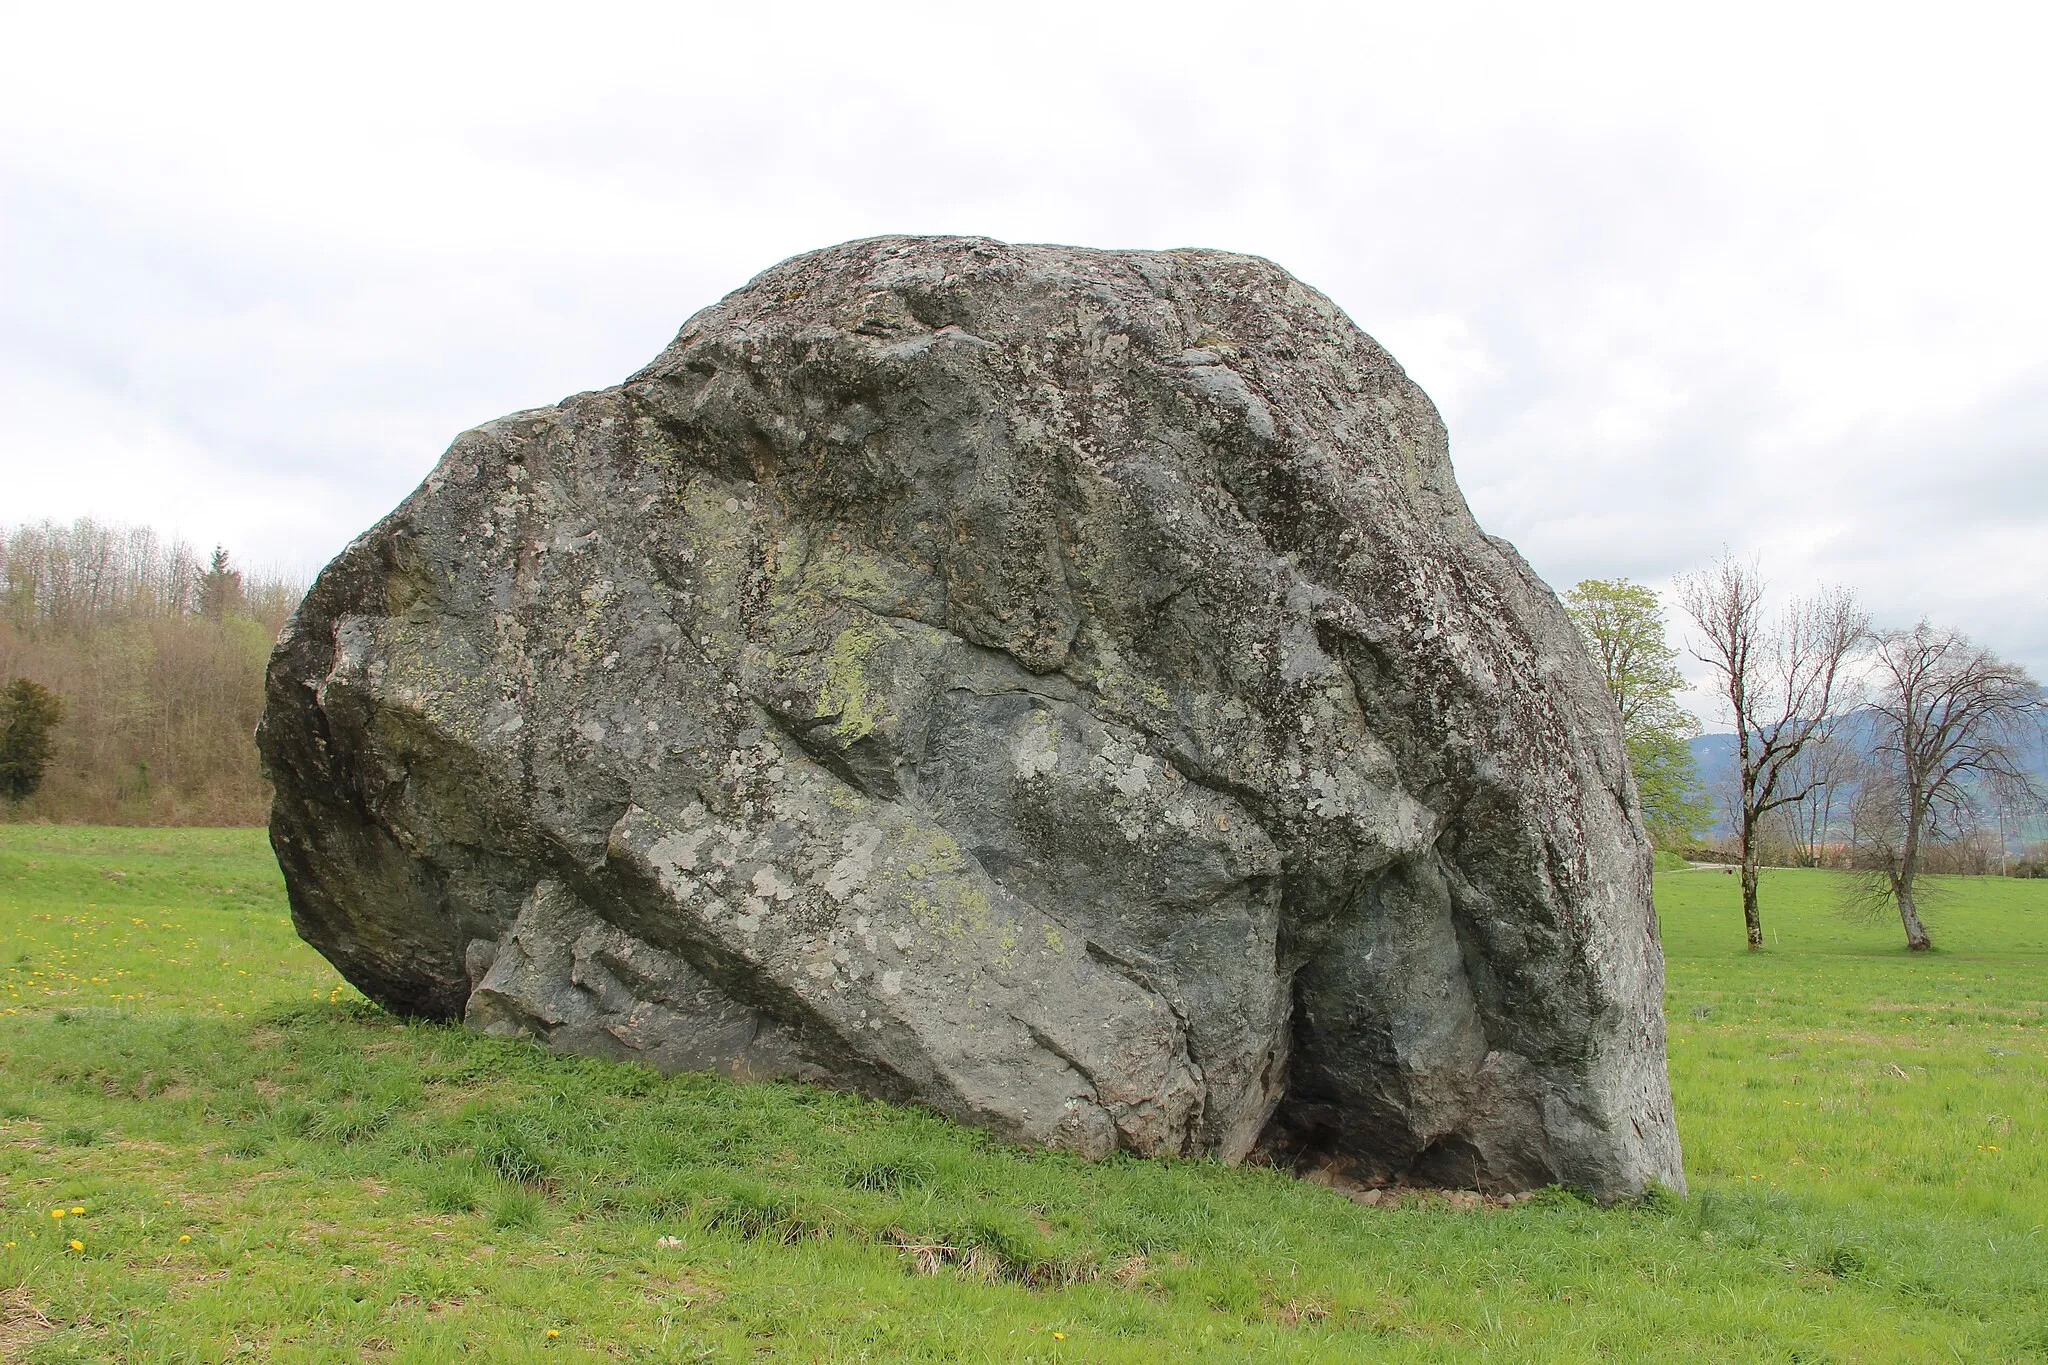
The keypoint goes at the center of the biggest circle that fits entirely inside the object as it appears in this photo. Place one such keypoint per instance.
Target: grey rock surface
(1065, 688)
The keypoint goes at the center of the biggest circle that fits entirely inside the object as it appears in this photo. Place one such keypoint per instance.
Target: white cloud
(1761, 276)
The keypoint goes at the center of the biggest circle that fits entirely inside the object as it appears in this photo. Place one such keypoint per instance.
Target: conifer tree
(28, 713)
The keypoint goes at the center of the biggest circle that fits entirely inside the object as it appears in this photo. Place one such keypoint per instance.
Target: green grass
(1863, 1131)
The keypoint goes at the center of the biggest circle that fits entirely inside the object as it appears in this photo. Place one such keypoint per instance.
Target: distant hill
(1713, 759)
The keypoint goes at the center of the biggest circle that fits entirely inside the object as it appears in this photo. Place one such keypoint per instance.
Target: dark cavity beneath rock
(1064, 688)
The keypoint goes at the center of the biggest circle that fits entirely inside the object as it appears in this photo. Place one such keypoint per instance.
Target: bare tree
(1785, 678)
(159, 700)
(1824, 769)
(1954, 722)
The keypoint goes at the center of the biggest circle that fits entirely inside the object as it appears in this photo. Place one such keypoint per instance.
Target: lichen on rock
(1064, 688)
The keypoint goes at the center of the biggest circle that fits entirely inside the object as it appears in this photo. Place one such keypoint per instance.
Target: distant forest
(157, 656)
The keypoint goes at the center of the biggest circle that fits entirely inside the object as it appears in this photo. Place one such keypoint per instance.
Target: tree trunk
(1902, 881)
(1916, 933)
(1752, 918)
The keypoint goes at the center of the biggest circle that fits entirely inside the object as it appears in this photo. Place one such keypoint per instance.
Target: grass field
(252, 1163)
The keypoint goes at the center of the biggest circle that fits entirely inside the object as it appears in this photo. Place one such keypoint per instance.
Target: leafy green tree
(1623, 623)
(28, 713)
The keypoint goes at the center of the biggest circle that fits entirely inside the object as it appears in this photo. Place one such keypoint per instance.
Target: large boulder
(1064, 688)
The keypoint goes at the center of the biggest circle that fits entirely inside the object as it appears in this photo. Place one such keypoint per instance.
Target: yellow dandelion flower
(56, 1213)
(78, 1210)
(184, 1236)
(553, 1333)
(1059, 1336)
(77, 1245)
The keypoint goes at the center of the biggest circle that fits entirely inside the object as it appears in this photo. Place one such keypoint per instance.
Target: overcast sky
(1771, 278)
